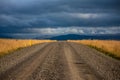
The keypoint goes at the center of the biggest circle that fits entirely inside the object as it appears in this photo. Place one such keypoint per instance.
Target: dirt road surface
(58, 61)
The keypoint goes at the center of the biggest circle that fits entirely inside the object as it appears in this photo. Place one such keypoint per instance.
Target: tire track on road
(54, 66)
(107, 67)
(22, 70)
(73, 70)
(78, 67)
(59, 61)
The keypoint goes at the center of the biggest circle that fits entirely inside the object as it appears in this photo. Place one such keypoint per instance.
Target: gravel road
(58, 61)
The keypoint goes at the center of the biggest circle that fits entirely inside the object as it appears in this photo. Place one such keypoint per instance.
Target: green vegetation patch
(105, 52)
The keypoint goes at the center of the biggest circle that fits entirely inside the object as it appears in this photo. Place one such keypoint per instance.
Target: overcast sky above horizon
(58, 17)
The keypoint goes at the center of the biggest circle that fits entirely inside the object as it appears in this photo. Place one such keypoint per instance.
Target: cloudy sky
(32, 18)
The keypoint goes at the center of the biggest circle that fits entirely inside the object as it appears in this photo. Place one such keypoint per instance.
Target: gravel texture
(106, 66)
(58, 61)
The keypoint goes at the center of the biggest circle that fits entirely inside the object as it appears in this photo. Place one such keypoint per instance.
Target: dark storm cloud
(56, 12)
(50, 6)
(60, 19)
(37, 32)
(16, 16)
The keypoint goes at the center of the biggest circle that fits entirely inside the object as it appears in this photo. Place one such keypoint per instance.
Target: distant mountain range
(72, 37)
(44, 37)
(79, 37)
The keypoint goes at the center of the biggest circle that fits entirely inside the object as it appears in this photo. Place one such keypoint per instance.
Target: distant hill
(43, 37)
(79, 37)
(71, 37)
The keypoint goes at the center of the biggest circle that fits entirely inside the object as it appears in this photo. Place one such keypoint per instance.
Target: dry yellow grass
(8, 45)
(110, 46)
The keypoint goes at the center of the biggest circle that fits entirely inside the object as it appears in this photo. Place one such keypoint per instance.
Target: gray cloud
(66, 30)
(35, 32)
(17, 16)
(76, 30)
(50, 6)
(61, 19)
(57, 13)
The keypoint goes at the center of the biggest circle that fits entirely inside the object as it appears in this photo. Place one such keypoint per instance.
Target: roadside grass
(7, 46)
(9, 51)
(105, 52)
(108, 47)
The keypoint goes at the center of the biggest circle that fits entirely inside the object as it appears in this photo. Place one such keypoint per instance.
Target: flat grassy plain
(109, 47)
(9, 45)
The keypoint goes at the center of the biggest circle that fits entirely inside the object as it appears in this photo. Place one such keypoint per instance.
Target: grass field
(109, 47)
(9, 45)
